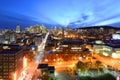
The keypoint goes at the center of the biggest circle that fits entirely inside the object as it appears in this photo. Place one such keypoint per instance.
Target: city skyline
(59, 12)
(89, 53)
(59, 40)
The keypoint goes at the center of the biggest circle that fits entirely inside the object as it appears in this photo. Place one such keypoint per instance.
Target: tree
(82, 66)
(98, 65)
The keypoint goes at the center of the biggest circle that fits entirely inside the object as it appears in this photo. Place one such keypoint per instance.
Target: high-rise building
(32, 29)
(37, 29)
(12, 37)
(43, 29)
(18, 29)
(1, 38)
(10, 61)
(62, 33)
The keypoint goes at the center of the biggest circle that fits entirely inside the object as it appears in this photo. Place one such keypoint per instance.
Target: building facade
(11, 61)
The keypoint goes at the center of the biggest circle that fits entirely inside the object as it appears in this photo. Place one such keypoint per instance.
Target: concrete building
(1, 38)
(18, 29)
(69, 46)
(11, 61)
(102, 49)
(45, 70)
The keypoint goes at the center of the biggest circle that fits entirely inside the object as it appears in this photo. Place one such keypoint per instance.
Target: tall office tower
(55, 29)
(12, 37)
(1, 38)
(62, 33)
(7, 36)
(11, 61)
(32, 29)
(27, 29)
(43, 29)
(37, 29)
(18, 29)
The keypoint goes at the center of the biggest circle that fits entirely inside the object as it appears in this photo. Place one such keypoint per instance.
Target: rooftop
(9, 51)
(51, 68)
(41, 66)
(72, 41)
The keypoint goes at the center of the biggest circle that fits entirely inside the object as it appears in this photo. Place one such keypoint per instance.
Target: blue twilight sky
(59, 12)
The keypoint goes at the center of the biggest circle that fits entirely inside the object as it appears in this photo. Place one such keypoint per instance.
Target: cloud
(64, 12)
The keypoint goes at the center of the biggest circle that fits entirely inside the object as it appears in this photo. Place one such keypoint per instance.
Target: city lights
(15, 76)
(114, 55)
(65, 56)
(46, 60)
(40, 52)
(59, 40)
(105, 54)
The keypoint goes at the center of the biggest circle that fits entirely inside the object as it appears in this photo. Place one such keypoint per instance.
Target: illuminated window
(11, 66)
(5, 66)
(6, 73)
(10, 70)
(11, 58)
(1, 77)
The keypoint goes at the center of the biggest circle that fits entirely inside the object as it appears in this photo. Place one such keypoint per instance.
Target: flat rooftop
(9, 51)
(74, 42)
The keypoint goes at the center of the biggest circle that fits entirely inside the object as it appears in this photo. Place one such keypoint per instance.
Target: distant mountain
(81, 24)
(116, 24)
(97, 27)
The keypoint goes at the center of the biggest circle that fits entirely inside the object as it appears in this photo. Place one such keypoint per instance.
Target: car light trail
(15, 76)
(40, 55)
(37, 59)
(24, 62)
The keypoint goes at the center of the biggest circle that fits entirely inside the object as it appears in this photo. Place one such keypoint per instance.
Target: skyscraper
(18, 29)
(12, 37)
(37, 29)
(43, 29)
